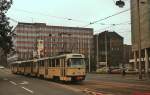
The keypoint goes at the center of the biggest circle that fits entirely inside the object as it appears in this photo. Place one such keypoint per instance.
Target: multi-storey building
(52, 39)
(140, 29)
(108, 49)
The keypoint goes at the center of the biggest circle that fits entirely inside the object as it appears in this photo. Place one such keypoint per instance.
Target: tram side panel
(14, 68)
(27, 68)
(54, 69)
(34, 69)
(41, 69)
(22, 68)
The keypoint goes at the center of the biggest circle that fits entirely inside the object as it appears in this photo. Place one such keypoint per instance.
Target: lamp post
(89, 55)
(139, 40)
(97, 52)
(139, 33)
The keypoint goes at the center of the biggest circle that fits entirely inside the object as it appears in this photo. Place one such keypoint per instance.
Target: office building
(38, 38)
(140, 31)
(108, 49)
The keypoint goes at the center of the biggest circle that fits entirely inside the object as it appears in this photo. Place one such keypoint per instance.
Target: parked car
(102, 70)
(116, 70)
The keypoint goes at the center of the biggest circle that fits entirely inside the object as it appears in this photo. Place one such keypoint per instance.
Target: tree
(6, 32)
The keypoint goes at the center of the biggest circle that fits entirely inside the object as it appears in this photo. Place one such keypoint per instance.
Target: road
(20, 85)
(114, 84)
(103, 84)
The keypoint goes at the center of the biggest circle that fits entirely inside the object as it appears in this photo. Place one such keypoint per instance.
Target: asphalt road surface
(20, 85)
(102, 84)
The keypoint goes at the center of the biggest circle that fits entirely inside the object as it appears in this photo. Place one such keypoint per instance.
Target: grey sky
(82, 12)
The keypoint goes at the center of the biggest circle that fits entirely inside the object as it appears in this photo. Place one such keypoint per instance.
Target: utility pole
(97, 52)
(106, 57)
(89, 54)
(139, 40)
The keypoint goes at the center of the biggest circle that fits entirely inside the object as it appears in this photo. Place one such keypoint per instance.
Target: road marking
(13, 82)
(28, 90)
(24, 82)
(92, 92)
(5, 79)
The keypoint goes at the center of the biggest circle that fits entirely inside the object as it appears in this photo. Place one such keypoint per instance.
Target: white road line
(13, 82)
(24, 82)
(28, 90)
(5, 79)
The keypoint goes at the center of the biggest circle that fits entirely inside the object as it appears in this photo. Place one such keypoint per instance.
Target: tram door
(38, 65)
(63, 66)
(32, 66)
(46, 67)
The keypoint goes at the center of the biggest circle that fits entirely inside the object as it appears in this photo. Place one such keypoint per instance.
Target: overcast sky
(76, 13)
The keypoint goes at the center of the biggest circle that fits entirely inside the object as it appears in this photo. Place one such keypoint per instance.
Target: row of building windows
(53, 31)
(51, 36)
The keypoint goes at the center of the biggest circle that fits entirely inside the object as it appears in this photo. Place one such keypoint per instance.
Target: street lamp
(120, 3)
(106, 53)
(139, 32)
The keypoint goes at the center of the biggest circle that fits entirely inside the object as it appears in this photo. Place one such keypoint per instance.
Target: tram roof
(75, 55)
(19, 62)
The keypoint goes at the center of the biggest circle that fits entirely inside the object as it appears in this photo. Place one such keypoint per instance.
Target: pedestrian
(123, 72)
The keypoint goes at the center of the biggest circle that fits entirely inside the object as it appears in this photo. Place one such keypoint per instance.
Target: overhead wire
(49, 15)
(106, 17)
(66, 18)
(132, 9)
(114, 25)
(55, 16)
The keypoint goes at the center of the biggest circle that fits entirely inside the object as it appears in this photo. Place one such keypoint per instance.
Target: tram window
(68, 63)
(42, 63)
(49, 62)
(38, 63)
(53, 62)
(24, 64)
(28, 64)
(57, 63)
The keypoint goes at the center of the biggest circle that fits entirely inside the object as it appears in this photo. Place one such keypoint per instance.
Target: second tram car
(66, 67)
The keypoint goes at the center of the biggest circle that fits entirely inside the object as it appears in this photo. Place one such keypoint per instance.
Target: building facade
(140, 29)
(108, 49)
(32, 38)
(127, 55)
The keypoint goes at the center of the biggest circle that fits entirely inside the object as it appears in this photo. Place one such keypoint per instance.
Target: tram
(65, 67)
